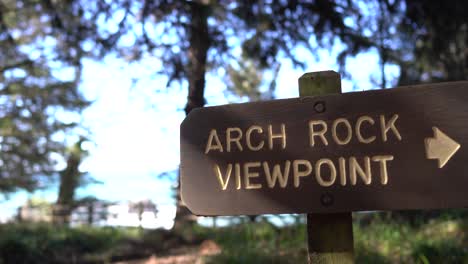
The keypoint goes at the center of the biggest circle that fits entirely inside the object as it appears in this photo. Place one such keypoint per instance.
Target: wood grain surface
(413, 181)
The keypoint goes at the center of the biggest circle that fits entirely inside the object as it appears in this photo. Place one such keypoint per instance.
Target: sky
(135, 124)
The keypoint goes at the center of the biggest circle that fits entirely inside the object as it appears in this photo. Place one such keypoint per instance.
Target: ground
(182, 255)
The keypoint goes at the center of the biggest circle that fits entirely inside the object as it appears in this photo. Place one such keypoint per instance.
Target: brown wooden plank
(329, 236)
(413, 182)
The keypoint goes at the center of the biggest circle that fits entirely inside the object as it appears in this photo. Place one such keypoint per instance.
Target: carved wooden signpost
(377, 150)
(394, 149)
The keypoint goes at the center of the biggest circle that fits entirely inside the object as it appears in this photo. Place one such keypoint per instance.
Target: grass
(378, 238)
(44, 243)
(259, 243)
(438, 240)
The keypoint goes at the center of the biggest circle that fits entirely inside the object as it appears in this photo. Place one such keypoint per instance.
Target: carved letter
(342, 166)
(383, 167)
(385, 127)
(249, 142)
(237, 170)
(277, 174)
(272, 136)
(358, 129)
(248, 174)
(348, 128)
(355, 168)
(209, 145)
(230, 139)
(320, 133)
(318, 174)
(223, 181)
(298, 173)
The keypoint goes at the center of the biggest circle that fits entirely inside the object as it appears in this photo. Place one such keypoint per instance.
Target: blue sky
(135, 125)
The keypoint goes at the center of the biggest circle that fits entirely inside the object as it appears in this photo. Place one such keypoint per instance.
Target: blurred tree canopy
(33, 90)
(42, 39)
(436, 34)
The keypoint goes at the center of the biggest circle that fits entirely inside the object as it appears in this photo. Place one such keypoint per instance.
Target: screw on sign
(377, 150)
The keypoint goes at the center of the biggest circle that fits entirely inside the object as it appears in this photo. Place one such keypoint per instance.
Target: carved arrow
(440, 147)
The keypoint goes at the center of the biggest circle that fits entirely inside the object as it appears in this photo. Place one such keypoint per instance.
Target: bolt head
(319, 107)
(327, 199)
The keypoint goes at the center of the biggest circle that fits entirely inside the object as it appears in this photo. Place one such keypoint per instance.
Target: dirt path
(183, 255)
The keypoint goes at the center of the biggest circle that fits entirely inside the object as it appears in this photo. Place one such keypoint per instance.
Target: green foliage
(438, 37)
(32, 92)
(381, 239)
(378, 239)
(41, 243)
(245, 80)
(440, 252)
(258, 242)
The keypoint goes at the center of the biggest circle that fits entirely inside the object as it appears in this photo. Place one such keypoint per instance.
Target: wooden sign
(401, 148)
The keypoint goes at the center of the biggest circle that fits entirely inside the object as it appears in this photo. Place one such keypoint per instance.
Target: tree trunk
(90, 213)
(199, 45)
(69, 181)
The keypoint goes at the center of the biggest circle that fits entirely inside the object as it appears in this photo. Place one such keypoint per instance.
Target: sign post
(328, 155)
(329, 236)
